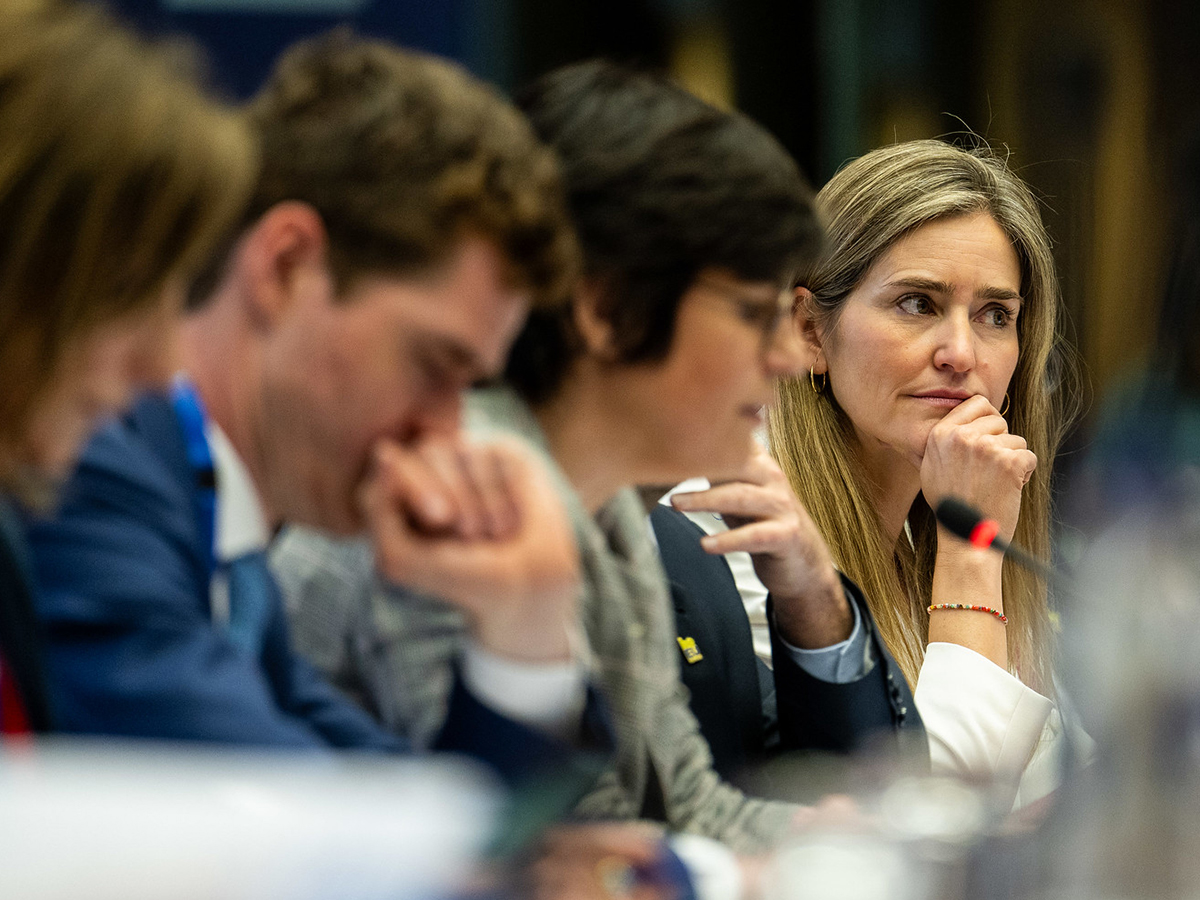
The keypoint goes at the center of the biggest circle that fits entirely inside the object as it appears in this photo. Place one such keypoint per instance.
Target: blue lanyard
(190, 412)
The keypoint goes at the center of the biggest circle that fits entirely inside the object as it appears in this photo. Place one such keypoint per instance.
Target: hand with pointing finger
(790, 558)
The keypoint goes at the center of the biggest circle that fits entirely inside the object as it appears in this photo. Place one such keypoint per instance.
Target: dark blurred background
(1095, 100)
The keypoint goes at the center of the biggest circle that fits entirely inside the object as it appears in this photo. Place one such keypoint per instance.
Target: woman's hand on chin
(971, 455)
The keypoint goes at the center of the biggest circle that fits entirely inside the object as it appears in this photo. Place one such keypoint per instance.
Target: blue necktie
(251, 590)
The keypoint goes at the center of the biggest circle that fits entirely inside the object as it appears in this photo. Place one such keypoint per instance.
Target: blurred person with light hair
(1131, 534)
(117, 177)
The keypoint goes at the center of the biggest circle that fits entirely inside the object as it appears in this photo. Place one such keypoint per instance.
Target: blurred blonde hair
(117, 176)
(869, 205)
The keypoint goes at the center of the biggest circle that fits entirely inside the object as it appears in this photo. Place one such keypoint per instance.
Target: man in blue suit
(404, 222)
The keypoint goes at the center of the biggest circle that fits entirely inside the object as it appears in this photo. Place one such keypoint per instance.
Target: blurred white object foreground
(102, 821)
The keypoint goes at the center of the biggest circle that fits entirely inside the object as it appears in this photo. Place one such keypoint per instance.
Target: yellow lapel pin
(690, 652)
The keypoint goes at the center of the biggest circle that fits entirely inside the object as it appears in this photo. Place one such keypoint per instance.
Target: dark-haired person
(692, 220)
(118, 176)
(404, 220)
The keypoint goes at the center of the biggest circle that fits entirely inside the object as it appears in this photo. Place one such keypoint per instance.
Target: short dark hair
(402, 154)
(660, 186)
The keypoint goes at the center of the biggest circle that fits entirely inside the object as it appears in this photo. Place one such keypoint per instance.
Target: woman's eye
(998, 316)
(915, 304)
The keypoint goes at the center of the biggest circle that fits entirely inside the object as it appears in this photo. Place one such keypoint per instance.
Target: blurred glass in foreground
(128, 822)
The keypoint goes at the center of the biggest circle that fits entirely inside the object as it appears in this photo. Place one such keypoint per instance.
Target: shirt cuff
(714, 869)
(547, 696)
(839, 663)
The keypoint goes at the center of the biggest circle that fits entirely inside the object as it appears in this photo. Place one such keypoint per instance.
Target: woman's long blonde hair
(869, 205)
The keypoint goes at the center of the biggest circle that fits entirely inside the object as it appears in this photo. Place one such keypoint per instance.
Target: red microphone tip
(984, 533)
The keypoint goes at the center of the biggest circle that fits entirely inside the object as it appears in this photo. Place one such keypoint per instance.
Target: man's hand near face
(481, 526)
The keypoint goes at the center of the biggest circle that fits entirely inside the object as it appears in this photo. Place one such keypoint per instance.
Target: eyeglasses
(751, 307)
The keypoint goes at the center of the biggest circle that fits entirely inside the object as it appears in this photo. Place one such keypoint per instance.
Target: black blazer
(20, 633)
(746, 712)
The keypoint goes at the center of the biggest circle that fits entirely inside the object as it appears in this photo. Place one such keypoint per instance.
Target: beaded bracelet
(987, 609)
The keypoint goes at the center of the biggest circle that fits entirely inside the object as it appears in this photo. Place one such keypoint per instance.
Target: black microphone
(965, 521)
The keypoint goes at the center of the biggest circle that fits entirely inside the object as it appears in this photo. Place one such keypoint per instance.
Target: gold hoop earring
(812, 379)
(1004, 408)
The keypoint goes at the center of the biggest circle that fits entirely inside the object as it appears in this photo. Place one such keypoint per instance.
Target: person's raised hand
(766, 520)
(481, 526)
(971, 455)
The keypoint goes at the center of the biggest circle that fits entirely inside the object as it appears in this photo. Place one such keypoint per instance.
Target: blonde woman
(930, 327)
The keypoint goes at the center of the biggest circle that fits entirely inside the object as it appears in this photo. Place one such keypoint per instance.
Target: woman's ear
(595, 330)
(807, 327)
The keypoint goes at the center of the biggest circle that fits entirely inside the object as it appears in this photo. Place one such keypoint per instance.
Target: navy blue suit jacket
(132, 649)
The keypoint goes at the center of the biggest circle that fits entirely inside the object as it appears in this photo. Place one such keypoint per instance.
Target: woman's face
(695, 412)
(98, 376)
(933, 322)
